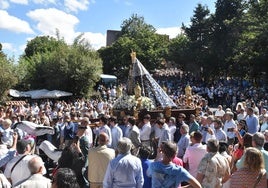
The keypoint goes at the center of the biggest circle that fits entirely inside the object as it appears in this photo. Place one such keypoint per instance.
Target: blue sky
(23, 20)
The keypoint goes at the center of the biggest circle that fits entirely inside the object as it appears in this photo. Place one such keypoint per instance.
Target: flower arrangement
(129, 102)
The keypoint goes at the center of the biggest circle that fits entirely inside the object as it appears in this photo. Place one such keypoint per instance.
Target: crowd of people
(220, 148)
(91, 147)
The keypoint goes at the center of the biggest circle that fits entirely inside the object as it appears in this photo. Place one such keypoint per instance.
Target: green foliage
(231, 42)
(226, 31)
(75, 68)
(199, 35)
(7, 77)
(179, 51)
(234, 36)
(251, 53)
(42, 44)
(136, 35)
(135, 26)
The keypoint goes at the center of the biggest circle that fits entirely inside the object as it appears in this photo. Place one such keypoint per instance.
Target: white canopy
(33, 128)
(56, 94)
(108, 78)
(39, 94)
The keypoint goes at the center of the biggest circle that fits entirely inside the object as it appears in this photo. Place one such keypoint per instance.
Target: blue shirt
(252, 123)
(69, 131)
(183, 144)
(124, 171)
(147, 180)
(167, 176)
(125, 129)
(4, 159)
(165, 135)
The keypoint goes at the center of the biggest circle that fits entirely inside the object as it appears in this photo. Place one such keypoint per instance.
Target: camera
(230, 130)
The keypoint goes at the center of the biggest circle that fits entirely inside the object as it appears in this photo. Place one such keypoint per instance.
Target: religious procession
(136, 135)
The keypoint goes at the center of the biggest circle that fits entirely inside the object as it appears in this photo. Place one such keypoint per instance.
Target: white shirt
(21, 171)
(165, 135)
(157, 131)
(5, 182)
(228, 125)
(7, 136)
(145, 132)
(241, 116)
(100, 106)
(172, 130)
(88, 133)
(264, 127)
(117, 134)
(193, 156)
(219, 113)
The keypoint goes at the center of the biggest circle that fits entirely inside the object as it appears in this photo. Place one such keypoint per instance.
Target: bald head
(103, 138)
(36, 165)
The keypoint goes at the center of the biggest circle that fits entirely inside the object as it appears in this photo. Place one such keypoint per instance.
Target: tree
(251, 53)
(75, 68)
(42, 44)
(7, 77)
(136, 35)
(227, 28)
(199, 37)
(178, 51)
(135, 26)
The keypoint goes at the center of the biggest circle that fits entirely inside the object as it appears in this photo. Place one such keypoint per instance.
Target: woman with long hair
(253, 172)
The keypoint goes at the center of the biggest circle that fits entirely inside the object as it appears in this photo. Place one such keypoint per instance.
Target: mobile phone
(230, 130)
(205, 128)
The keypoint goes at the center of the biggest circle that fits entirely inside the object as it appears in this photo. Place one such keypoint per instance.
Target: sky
(23, 20)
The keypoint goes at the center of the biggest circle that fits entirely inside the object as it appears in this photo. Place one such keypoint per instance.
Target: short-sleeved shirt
(21, 170)
(165, 176)
(214, 167)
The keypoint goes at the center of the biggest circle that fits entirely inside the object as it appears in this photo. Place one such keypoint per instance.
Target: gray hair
(212, 145)
(124, 145)
(259, 139)
(185, 127)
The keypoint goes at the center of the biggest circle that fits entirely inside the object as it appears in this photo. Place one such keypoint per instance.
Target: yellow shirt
(98, 160)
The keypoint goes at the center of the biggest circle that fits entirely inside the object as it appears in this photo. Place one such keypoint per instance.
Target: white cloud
(97, 40)
(8, 46)
(23, 2)
(48, 20)
(13, 23)
(128, 3)
(44, 2)
(75, 5)
(11, 51)
(171, 31)
(4, 4)
(22, 48)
